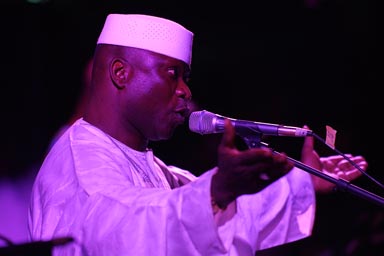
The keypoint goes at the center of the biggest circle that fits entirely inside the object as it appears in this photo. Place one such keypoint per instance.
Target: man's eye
(173, 72)
(186, 79)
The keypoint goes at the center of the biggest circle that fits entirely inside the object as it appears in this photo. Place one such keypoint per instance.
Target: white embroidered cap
(149, 33)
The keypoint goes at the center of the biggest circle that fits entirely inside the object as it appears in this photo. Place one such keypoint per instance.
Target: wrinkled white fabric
(116, 201)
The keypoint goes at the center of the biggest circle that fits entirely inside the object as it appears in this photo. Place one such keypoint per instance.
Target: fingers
(342, 168)
(359, 161)
(339, 163)
(335, 158)
(345, 165)
(264, 159)
(349, 176)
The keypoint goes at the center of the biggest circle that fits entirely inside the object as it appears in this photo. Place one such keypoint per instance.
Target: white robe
(116, 201)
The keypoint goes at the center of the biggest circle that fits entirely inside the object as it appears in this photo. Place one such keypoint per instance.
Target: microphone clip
(254, 141)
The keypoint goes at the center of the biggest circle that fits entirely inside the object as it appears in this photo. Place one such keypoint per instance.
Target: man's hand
(335, 166)
(244, 172)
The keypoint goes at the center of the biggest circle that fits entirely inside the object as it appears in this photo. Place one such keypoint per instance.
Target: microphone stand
(254, 141)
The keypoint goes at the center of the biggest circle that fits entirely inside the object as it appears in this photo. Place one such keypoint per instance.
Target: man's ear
(119, 72)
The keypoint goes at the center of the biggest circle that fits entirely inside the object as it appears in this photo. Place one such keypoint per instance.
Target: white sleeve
(180, 222)
(284, 212)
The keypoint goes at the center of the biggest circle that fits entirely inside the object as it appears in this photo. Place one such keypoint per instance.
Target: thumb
(228, 139)
(308, 147)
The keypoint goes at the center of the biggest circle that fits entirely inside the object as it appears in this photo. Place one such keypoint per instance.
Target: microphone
(205, 122)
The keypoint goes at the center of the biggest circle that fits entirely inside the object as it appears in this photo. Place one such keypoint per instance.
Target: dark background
(292, 62)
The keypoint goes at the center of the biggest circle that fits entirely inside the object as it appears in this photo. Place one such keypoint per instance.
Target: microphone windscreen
(202, 122)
